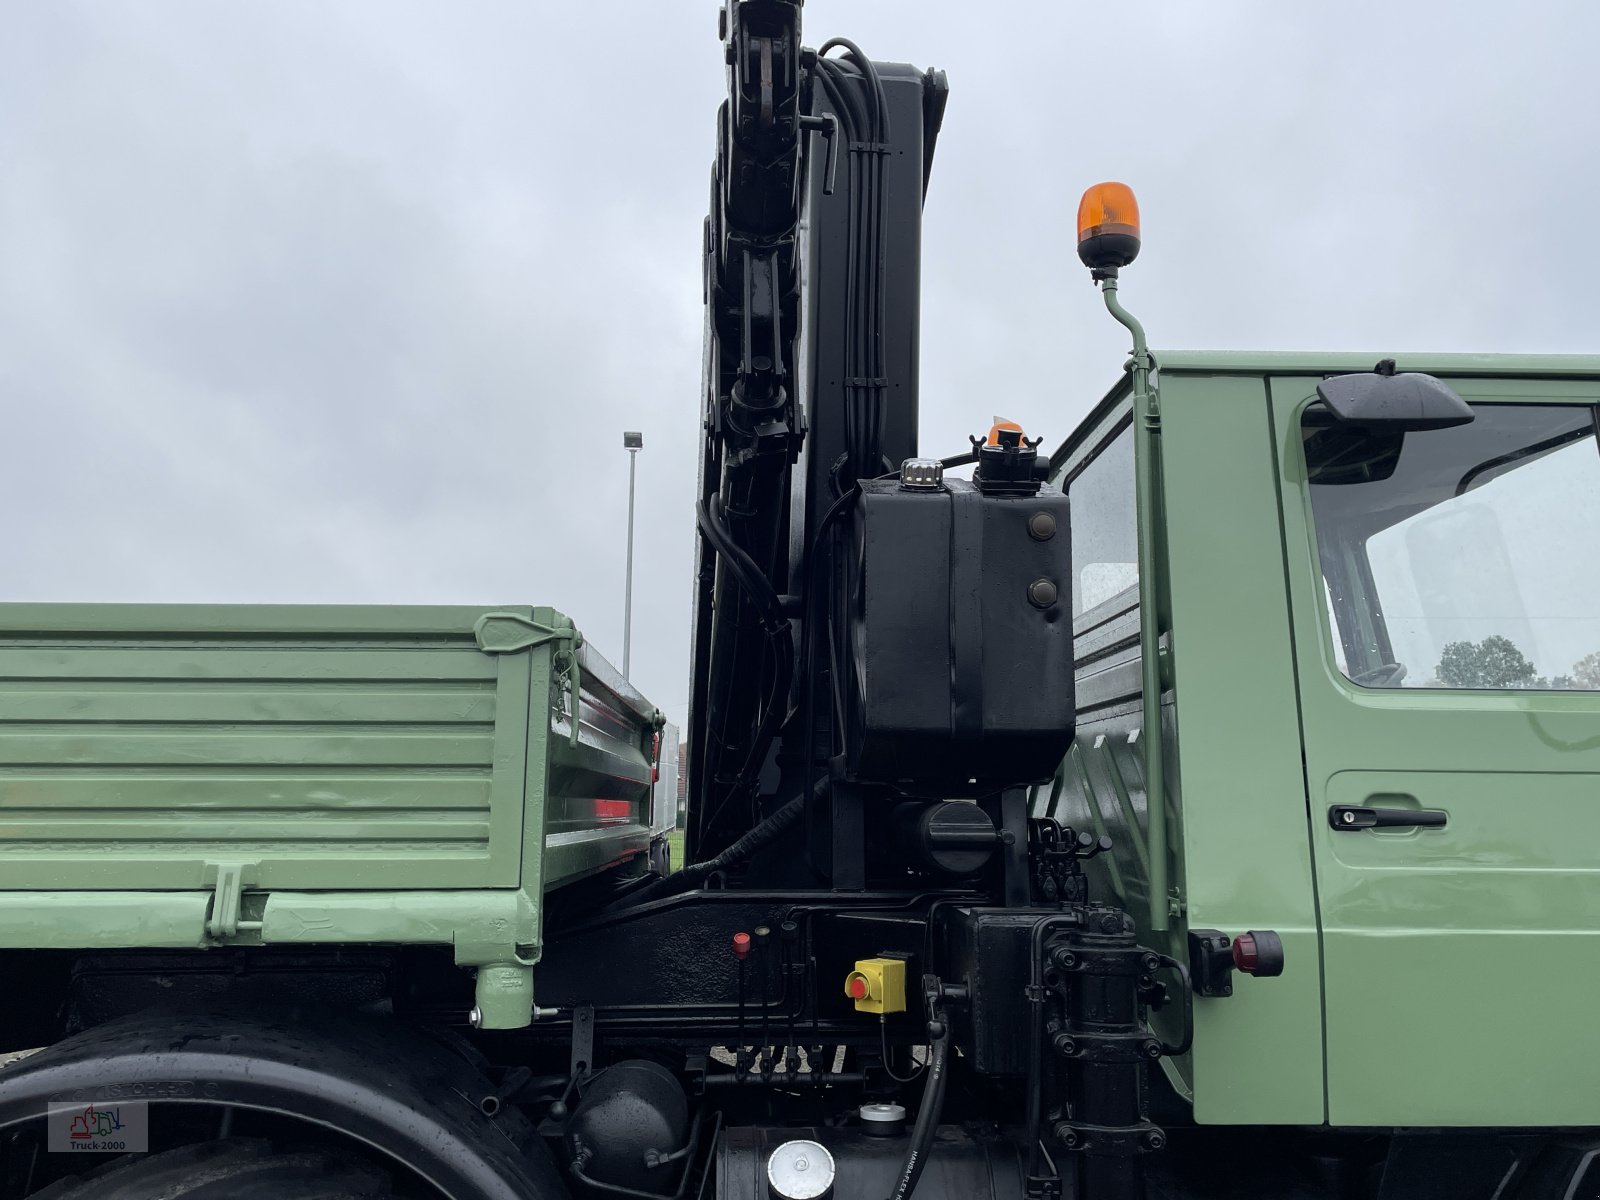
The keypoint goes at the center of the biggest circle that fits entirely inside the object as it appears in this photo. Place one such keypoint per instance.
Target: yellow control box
(878, 985)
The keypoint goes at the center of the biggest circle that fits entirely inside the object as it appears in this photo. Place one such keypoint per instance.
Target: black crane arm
(802, 701)
(811, 287)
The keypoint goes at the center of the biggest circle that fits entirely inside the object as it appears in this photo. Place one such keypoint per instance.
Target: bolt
(1065, 959)
(1155, 1139)
(1042, 526)
(1152, 1049)
(1065, 1045)
(475, 1017)
(1042, 593)
(1067, 1134)
(1151, 963)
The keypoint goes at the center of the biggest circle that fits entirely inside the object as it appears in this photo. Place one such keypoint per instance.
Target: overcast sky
(351, 301)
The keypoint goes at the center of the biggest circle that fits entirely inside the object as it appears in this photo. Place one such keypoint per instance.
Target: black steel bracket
(582, 1041)
(1211, 962)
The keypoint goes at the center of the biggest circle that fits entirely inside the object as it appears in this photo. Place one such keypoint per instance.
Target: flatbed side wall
(317, 748)
(193, 776)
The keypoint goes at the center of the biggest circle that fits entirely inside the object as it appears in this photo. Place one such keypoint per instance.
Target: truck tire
(232, 1169)
(402, 1100)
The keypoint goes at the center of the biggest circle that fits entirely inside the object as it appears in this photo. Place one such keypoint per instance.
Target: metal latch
(227, 900)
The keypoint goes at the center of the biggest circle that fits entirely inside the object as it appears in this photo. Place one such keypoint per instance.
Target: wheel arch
(394, 1088)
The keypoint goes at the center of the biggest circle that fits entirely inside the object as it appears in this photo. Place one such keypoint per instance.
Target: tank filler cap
(883, 1120)
(922, 475)
(800, 1170)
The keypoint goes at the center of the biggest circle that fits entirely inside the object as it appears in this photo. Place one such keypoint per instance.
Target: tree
(1494, 662)
(1586, 672)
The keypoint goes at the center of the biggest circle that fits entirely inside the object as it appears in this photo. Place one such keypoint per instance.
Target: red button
(858, 988)
(741, 946)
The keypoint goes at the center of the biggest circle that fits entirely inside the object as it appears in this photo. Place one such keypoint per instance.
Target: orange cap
(999, 424)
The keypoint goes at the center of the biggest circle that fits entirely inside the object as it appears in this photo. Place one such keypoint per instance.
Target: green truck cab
(1379, 697)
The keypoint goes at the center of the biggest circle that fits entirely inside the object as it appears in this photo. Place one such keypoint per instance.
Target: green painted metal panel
(484, 927)
(1313, 363)
(181, 775)
(256, 622)
(103, 920)
(1460, 963)
(1235, 789)
(318, 747)
(1258, 1053)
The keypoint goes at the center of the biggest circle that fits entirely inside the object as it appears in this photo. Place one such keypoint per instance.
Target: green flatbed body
(1435, 976)
(190, 776)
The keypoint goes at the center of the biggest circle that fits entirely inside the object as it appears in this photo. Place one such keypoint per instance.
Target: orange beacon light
(1108, 227)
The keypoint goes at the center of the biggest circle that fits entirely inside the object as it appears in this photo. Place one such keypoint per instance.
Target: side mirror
(1382, 399)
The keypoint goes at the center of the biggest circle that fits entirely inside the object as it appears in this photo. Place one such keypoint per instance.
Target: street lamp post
(633, 442)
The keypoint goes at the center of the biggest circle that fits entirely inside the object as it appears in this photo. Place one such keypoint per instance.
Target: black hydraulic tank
(960, 637)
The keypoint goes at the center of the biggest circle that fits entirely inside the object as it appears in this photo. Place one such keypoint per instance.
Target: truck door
(1445, 595)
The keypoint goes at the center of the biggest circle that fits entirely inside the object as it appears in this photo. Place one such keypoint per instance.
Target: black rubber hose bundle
(752, 582)
(763, 598)
(928, 1113)
(682, 881)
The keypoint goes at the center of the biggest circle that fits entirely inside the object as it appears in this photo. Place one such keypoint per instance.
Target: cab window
(1105, 527)
(1462, 557)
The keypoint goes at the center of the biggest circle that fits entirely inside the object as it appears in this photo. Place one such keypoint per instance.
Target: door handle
(1351, 817)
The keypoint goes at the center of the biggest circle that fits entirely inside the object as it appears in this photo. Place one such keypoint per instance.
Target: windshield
(1463, 557)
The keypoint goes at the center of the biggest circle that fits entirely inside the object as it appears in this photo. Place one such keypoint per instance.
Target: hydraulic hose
(928, 1113)
(763, 598)
(760, 592)
(682, 881)
(777, 705)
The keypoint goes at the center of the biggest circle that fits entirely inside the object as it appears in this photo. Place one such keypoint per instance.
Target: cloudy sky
(350, 301)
